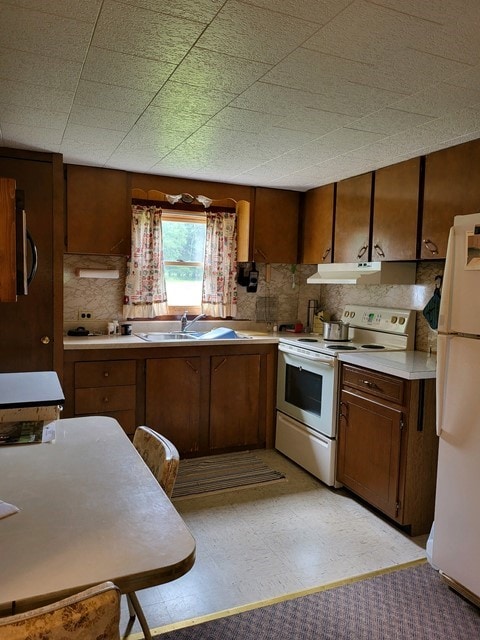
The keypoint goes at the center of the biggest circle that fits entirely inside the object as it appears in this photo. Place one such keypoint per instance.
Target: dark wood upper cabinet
(98, 211)
(276, 217)
(317, 230)
(452, 187)
(352, 219)
(395, 211)
(8, 266)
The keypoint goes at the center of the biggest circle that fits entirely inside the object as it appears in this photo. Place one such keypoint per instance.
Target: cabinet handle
(191, 366)
(105, 374)
(431, 246)
(45, 340)
(379, 250)
(344, 415)
(106, 399)
(369, 384)
(362, 251)
(220, 364)
(326, 253)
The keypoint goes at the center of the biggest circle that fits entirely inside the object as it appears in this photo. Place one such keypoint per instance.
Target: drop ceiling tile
(44, 33)
(389, 121)
(93, 137)
(43, 71)
(131, 160)
(186, 98)
(122, 69)
(32, 117)
(199, 10)
(440, 99)
(33, 137)
(369, 32)
(86, 10)
(314, 120)
(318, 11)
(102, 118)
(218, 72)
(453, 125)
(254, 33)
(138, 140)
(243, 120)
(75, 154)
(162, 121)
(46, 98)
(106, 96)
(144, 33)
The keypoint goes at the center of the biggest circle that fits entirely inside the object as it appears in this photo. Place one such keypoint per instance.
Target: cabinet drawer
(125, 418)
(104, 399)
(375, 384)
(108, 373)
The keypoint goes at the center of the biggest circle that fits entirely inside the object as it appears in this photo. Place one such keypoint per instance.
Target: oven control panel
(398, 321)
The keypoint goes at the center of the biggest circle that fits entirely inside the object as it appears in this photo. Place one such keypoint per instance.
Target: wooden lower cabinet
(387, 445)
(173, 400)
(205, 398)
(212, 402)
(236, 394)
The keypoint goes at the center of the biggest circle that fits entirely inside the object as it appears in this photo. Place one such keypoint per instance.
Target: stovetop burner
(373, 346)
(341, 347)
(308, 340)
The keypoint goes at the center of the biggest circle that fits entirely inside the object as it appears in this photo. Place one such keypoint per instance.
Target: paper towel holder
(112, 274)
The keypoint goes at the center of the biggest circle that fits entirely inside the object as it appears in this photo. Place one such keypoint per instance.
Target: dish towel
(432, 309)
(7, 509)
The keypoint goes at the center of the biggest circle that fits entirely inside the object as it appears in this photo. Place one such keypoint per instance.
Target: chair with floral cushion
(162, 458)
(93, 614)
(160, 455)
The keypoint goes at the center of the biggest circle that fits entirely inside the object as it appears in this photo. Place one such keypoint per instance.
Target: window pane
(183, 241)
(184, 285)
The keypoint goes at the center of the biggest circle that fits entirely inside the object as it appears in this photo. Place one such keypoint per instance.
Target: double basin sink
(221, 333)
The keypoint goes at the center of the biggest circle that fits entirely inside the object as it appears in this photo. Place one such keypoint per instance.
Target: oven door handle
(312, 356)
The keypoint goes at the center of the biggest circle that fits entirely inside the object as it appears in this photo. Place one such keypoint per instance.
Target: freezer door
(460, 304)
(456, 538)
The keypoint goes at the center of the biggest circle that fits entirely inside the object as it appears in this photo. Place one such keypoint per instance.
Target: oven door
(307, 388)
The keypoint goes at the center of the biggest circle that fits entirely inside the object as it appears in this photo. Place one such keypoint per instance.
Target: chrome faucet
(184, 321)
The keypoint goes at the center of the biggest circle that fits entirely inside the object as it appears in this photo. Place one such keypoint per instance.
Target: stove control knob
(401, 320)
(347, 313)
(394, 319)
(352, 314)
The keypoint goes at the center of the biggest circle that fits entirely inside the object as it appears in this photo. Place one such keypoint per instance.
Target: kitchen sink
(170, 336)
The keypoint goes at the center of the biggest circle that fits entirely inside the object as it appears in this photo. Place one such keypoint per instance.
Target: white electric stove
(307, 382)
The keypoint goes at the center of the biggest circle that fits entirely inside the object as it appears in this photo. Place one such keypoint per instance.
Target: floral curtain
(219, 291)
(145, 291)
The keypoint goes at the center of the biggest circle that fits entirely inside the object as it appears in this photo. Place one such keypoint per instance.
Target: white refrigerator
(456, 537)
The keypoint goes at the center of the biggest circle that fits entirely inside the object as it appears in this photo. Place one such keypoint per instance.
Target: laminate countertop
(410, 365)
(134, 342)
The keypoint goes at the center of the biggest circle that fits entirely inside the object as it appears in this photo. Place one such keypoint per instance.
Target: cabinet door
(8, 266)
(172, 402)
(235, 405)
(98, 211)
(352, 219)
(276, 225)
(395, 211)
(452, 188)
(369, 441)
(317, 233)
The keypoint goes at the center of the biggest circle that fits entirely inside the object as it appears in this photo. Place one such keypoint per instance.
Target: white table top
(411, 365)
(90, 511)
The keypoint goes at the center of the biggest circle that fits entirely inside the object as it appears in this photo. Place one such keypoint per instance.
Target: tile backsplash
(282, 295)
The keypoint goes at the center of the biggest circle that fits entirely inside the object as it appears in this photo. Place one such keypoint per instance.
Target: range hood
(365, 273)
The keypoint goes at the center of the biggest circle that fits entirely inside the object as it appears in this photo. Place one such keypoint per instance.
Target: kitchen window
(184, 252)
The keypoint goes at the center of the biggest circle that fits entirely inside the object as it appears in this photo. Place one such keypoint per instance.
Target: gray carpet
(409, 604)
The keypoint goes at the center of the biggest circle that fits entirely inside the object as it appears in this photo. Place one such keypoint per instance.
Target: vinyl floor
(261, 543)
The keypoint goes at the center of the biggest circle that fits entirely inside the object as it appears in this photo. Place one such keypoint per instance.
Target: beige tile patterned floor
(264, 542)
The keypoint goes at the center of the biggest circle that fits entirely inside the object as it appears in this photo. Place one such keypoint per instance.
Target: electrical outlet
(85, 315)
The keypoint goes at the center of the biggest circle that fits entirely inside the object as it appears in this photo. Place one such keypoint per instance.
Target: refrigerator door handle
(442, 345)
(443, 318)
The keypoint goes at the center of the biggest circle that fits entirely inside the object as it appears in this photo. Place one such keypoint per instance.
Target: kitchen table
(90, 511)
